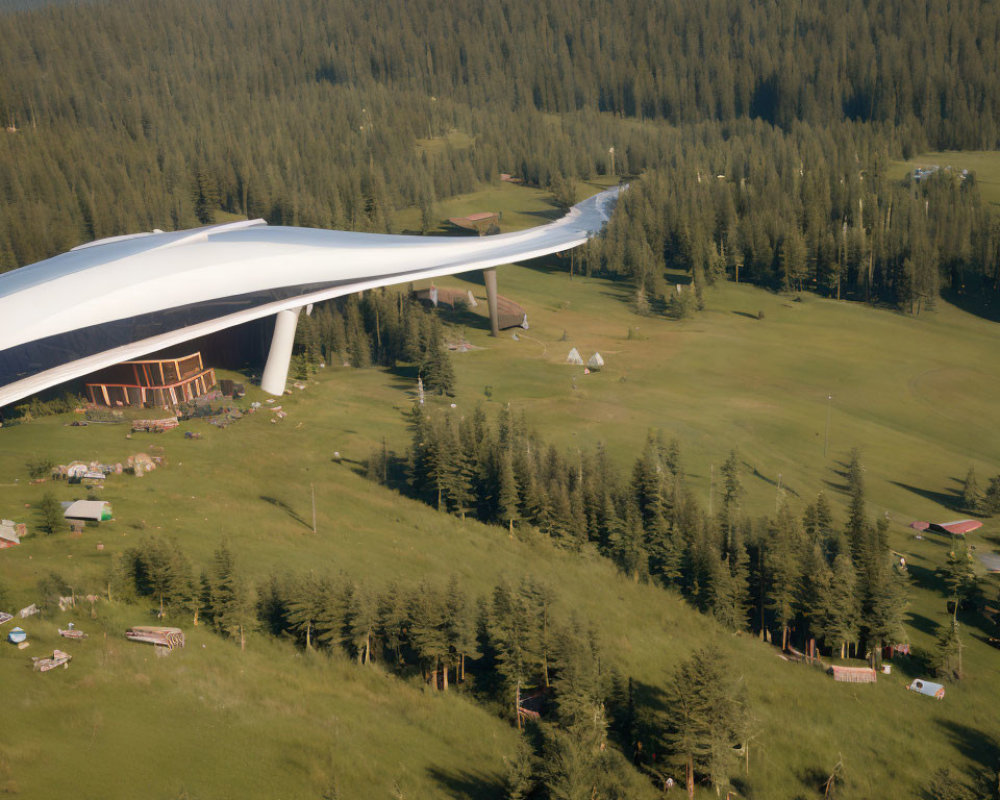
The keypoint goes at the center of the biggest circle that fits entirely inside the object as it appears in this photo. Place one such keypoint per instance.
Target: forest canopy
(124, 116)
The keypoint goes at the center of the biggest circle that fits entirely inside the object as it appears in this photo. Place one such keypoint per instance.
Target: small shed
(927, 688)
(853, 674)
(596, 362)
(574, 357)
(95, 510)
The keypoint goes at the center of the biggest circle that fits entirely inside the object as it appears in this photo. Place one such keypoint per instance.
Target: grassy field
(519, 206)
(985, 163)
(915, 394)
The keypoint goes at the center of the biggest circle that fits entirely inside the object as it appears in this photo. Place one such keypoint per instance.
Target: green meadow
(984, 163)
(792, 383)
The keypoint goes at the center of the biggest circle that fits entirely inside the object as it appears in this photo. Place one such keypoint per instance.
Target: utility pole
(826, 437)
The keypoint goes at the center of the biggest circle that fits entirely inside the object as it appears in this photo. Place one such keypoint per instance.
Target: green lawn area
(985, 163)
(916, 395)
(519, 206)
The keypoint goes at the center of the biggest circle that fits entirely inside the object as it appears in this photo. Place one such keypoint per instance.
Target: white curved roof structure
(120, 298)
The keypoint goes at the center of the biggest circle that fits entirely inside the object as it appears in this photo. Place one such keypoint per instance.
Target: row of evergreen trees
(98, 149)
(803, 577)
(802, 211)
(377, 328)
(517, 649)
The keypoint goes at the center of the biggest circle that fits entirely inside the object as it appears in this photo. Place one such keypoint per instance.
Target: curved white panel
(140, 275)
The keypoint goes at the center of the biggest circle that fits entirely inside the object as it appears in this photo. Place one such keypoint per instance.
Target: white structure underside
(146, 274)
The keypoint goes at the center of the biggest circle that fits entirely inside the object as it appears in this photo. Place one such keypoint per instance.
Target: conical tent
(596, 362)
(574, 357)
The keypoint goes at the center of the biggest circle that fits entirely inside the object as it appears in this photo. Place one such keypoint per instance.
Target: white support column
(276, 370)
(490, 279)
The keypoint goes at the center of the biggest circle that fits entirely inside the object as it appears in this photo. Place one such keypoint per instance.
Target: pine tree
(393, 621)
(436, 369)
(959, 573)
(856, 514)
(883, 609)
(428, 632)
(508, 501)
(706, 720)
(991, 500)
(308, 596)
(732, 495)
(161, 571)
(50, 514)
(730, 586)
(460, 631)
(509, 631)
(972, 497)
(784, 566)
(842, 607)
(948, 652)
(362, 621)
(233, 599)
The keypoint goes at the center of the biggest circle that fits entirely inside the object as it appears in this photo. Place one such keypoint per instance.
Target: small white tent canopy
(596, 362)
(96, 510)
(927, 688)
(574, 357)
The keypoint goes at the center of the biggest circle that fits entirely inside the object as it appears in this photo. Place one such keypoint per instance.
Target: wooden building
(156, 382)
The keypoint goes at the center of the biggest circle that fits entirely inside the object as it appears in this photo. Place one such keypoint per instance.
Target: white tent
(596, 362)
(96, 510)
(927, 688)
(574, 357)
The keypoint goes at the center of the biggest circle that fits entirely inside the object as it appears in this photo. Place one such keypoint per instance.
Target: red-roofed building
(959, 527)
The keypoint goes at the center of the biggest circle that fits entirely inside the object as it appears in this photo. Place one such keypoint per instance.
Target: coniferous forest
(768, 127)
(757, 138)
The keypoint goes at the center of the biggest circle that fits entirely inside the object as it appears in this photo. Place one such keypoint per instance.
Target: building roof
(86, 509)
(120, 298)
(959, 527)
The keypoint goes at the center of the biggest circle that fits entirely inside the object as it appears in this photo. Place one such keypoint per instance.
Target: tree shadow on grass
(769, 481)
(466, 784)
(840, 470)
(972, 743)
(928, 579)
(922, 623)
(981, 304)
(464, 317)
(951, 499)
(281, 504)
(814, 778)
